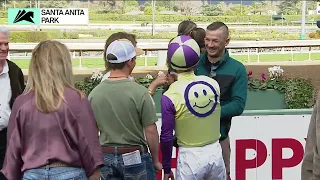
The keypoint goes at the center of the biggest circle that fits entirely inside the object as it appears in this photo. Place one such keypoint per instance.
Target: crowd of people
(51, 130)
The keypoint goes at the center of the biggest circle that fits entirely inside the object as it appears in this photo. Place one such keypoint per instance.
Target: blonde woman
(187, 27)
(52, 132)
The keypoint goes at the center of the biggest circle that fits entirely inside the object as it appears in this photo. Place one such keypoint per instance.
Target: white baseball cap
(123, 50)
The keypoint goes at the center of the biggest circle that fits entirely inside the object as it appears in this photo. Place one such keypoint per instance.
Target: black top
(16, 81)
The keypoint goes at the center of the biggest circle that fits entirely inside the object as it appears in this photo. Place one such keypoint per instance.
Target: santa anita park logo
(37, 16)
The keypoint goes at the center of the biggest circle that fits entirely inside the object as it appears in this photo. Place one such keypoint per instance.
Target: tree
(112, 6)
(189, 7)
(144, 5)
(130, 5)
(223, 7)
(312, 5)
(168, 4)
(148, 10)
(133, 3)
(289, 7)
(211, 10)
(176, 8)
(257, 7)
(18, 4)
(236, 10)
(54, 4)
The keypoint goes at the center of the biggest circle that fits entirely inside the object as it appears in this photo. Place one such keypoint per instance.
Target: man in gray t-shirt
(126, 118)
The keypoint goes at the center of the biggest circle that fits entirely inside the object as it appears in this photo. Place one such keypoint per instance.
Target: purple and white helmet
(183, 53)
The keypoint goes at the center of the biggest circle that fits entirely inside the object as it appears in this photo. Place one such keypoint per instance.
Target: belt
(123, 150)
(54, 164)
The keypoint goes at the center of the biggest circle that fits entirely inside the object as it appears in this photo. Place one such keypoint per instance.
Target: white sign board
(266, 147)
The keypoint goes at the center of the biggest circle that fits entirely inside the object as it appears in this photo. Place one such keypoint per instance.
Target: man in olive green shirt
(126, 118)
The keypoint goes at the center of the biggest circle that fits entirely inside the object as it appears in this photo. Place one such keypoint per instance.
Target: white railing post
(145, 58)
(248, 55)
(257, 51)
(162, 58)
(309, 53)
(80, 59)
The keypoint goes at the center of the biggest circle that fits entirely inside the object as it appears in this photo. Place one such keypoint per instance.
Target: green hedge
(3, 14)
(24, 36)
(37, 36)
(177, 18)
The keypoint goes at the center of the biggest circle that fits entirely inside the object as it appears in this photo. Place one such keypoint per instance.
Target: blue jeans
(56, 173)
(114, 168)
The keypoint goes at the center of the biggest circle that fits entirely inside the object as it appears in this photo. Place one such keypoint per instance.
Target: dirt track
(306, 69)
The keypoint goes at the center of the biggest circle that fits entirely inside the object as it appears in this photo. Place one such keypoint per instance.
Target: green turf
(277, 57)
(151, 61)
(5, 21)
(87, 62)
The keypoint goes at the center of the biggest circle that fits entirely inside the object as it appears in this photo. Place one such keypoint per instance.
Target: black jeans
(3, 146)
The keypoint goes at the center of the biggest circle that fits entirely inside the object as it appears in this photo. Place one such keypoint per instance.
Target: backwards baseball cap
(183, 53)
(123, 50)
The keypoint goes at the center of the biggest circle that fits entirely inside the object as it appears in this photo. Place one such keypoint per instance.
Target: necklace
(117, 77)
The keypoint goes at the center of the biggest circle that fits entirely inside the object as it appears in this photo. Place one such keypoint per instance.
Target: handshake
(164, 79)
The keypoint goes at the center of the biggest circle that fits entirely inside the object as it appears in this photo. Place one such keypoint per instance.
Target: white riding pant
(201, 163)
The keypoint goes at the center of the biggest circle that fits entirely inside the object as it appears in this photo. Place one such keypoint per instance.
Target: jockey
(191, 108)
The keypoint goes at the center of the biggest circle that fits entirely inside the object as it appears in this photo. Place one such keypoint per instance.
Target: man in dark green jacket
(231, 76)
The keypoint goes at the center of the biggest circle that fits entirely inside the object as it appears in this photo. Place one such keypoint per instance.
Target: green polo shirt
(122, 110)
